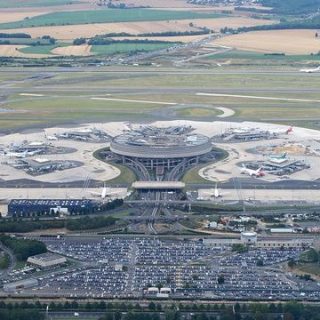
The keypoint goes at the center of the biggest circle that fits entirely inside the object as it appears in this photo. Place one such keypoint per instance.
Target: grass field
(54, 110)
(12, 50)
(38, 49)
(309, 268)
(34, 3)
(76, 51)
(127, 176)
(197, 112)
(192, 176)
(26, 41)
(248, 55)
(108, 15)
(67, 97)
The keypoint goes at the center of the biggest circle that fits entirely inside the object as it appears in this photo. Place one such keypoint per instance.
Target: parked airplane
(51, 138)
(215, 194)
(282, 131)
(105, 193)
(311, 70)
(23, 154)
(16, 154)
(252, 173)
(278, 158)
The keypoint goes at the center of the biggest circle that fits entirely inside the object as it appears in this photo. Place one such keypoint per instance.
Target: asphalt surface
(246, 183)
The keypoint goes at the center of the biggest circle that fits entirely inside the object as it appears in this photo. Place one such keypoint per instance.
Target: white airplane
(311, 70)
(51, 138)
(105, 193)
(23, 154)
(16, 154)
(215, 194)
(252, 173)
(282, 131)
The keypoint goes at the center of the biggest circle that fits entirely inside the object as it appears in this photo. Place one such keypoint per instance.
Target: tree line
(23, 248)
(129, 311)
(100, 40)
(15, 35)
(20, 226)
(90, 223)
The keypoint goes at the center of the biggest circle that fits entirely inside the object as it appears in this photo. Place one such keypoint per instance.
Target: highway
(155, 210)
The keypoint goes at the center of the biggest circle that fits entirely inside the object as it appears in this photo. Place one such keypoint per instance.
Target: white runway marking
(139, 101)
(31, 94)
(253, 97)
(227, 112)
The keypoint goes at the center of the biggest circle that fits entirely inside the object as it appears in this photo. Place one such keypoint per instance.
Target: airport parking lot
(122, 267)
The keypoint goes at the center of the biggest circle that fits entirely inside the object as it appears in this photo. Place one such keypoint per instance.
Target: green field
(26, 41)
(34, 3)
(198, 112)
(67, 96)
(51, 109)
(118, 48)
(43, 49)
(309, 268)
(247, 55)
(192, 176)
(106, 15)
(127, 176)
(38, 49)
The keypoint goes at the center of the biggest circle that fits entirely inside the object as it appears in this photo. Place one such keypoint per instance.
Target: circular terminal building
(156, 147)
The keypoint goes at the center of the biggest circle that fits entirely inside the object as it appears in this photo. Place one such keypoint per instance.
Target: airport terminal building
(161, 147)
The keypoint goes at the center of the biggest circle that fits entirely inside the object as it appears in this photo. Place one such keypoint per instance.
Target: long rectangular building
(27, 207)
(158, 185)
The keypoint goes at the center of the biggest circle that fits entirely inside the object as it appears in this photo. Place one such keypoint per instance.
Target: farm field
(83, 50)
(46, 50)
(296, 42)
(88, 31)
(35, 3)
(135, 28)
(77, 51)
(10, 16)
(17, 51)
(251, 55)
(106, 15)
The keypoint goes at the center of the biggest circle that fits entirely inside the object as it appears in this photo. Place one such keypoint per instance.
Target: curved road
(12, 258)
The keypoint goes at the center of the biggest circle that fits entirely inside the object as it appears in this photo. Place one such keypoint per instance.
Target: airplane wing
(95, 193)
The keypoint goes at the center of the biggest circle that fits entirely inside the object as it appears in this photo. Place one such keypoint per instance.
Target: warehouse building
(251, 238)
(46, 260)
(20, 285)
